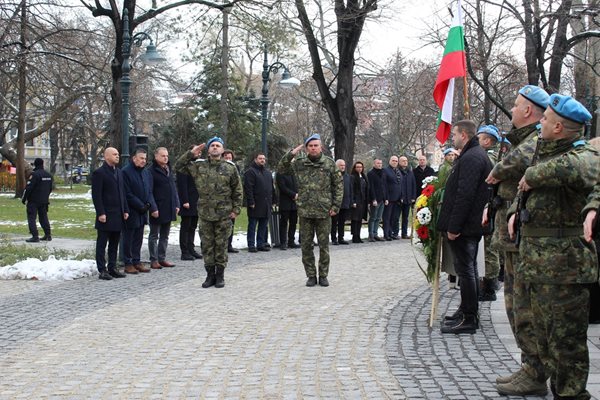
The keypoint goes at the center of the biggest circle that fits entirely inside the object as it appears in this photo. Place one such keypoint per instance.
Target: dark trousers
(113, 245)
(132, 245)
(391, 218)
(187, 234)
(338, 223)
(257, 237)
(464, 249)
(404, 211)
(355, 227)
(41, 210)
(158, 252)
(230, 242)
(288, 220)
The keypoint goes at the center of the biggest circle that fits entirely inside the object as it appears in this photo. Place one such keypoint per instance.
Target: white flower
(428, 180)
(424, 216)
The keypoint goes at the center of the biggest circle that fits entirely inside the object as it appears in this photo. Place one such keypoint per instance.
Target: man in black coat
(36, 195)
(465, 197)
(258, 189)
(138, 192)
(188, 196)
(408, 197)
(338, 221)
(108, 195)
(167, 201)
(377, 198)
(421, 172)
(391, 212)
(288, 210)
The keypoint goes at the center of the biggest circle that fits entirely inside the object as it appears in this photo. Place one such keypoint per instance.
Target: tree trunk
(560, 49)
(224, 89)
(532, 48)
(20, 162)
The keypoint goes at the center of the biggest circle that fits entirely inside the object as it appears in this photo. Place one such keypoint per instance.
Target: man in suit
(258, 187)
(138, 191)
(167, 201)
(108, 195)
(391, 211)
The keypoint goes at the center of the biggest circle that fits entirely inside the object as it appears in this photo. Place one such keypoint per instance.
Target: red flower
(428, 191)
(423, 232)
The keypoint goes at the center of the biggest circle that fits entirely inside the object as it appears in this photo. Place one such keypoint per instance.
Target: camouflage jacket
(320, 185)
(552, 248)
(493, 153)
(510, 171)
(218, 183)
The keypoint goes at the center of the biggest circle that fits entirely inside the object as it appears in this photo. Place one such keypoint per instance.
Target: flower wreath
(427, 208)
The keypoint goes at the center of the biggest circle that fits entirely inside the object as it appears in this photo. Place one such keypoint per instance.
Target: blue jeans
(375, 213)
(257, 238)
(464, 249)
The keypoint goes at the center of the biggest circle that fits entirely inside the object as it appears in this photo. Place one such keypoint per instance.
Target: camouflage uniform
(492, 260)
(220, 193)
(557, 262)
(518, 308)
(320, 189)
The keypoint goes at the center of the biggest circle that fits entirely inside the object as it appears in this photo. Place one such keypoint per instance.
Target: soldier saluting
(219, 202)
(320, 191)
(556, 262)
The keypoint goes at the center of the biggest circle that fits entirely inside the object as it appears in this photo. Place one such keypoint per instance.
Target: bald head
(111, 156)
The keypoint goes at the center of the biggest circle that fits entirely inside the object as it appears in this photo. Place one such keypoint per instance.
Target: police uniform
(556, 261)
(219, 194)
(509, 171)
(320, 189)
(36, 195)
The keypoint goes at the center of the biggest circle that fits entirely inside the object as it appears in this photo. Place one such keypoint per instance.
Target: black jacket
(288, 189)
(377, 186)
(108, 195)
(186, 188)
(466, 192)
(258, 188)
(38, 187)
(421, 174)
(360, 192)
(165, 194)
(138, 192)
(347, 197)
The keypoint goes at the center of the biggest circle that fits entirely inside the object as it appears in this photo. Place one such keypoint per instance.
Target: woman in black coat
(360, 190)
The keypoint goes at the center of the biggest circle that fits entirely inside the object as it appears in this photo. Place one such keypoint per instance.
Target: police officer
(556, 262)
(320, 191)
(219, 201)
(36, 196)
(528, 109)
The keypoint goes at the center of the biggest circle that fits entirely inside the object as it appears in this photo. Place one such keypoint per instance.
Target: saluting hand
(196, 150)
(297, 149)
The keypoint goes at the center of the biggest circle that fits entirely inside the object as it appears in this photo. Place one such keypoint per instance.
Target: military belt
(550, 232)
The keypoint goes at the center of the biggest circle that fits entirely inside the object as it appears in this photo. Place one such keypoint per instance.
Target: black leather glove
(146, 207)
(24, 200)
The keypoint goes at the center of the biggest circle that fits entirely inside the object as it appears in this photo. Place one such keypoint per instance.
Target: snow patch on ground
(49, 270)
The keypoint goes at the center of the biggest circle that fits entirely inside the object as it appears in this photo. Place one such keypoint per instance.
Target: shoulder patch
(579, 143)
(200, 160)
(230, 162)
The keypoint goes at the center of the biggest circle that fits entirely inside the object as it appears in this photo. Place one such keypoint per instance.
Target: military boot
(220, 280)
(522, 385)
(487, 292)
(508, 378)
(210, 276)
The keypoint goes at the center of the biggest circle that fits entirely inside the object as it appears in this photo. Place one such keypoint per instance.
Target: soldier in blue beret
(536, 95)
(557, 264)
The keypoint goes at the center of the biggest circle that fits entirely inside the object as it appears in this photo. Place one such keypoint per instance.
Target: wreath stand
(435, 297)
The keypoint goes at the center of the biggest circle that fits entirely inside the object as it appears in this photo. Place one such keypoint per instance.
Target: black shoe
(105, 276)
(467, 325)
(388, 238)
(33, 239)
(293, 245)
(252, 250)
(265, 248)
(187, 257)
(115, 273)
(230, 249)
(312, 281)
(323, 281)
(487, 296)
(196, 255)
(47, 238)
(283, 246)
(334, 242)
(395, 237)
(342, 242)
(378, 239)
(405, 237)
(458, 315)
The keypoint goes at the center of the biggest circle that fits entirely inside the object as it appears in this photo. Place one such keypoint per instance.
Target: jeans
(375, 213)
(464, 249)
(158, 252)
(259, 234)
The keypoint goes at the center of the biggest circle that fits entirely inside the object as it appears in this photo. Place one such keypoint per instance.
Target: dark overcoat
(186, 188)
(165, 194)
(108, 196)
(360, 192)
(288, 189)
(407, 185)
(258, 188)
(377, 186)
(138, 192)
(393, 184)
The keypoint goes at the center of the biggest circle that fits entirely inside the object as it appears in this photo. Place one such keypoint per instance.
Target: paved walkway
(264, 336)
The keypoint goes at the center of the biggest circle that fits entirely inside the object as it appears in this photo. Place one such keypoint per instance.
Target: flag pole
(466, 92)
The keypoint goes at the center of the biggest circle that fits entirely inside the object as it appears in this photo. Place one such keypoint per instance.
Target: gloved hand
(146, 207)
(24, 200)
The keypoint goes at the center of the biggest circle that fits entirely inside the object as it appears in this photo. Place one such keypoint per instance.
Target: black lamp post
(286, 81)
(151, 57)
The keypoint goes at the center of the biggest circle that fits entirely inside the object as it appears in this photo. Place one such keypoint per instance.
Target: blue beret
(569, 108)
(214, 139)
(449, 150)
(490, 130)
(505, 140)
(536, 95)
(312, 137)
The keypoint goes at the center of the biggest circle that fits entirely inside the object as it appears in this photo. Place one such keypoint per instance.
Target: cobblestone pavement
(264, 336)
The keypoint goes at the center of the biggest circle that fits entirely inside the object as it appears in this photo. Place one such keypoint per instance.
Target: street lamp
(151, 57)
(287, 81)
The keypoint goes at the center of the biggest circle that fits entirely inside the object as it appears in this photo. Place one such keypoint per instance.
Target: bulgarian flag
(453, 66)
